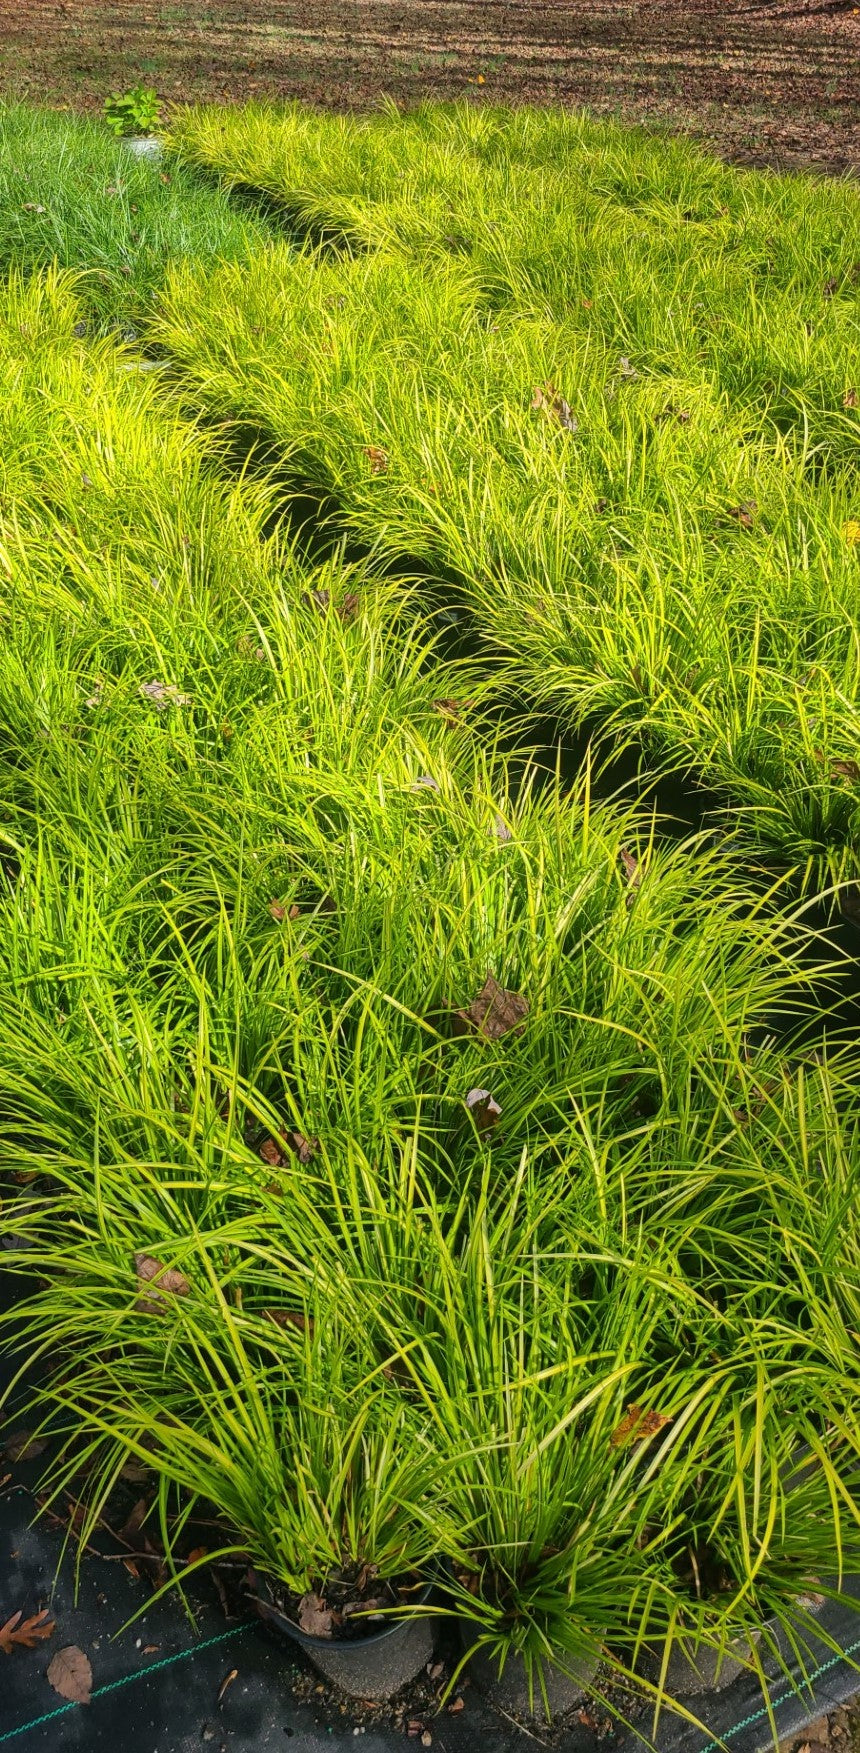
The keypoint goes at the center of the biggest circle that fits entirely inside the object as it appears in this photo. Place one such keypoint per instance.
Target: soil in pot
(563, 1683)
(352, 1633)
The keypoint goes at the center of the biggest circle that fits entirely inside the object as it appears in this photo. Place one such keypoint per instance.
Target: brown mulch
(837, 1733)
(764, 81)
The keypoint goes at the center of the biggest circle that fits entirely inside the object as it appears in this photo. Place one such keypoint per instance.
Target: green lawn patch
(70, 193)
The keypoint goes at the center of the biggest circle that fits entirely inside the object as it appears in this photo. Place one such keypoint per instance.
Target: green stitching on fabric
(125, 1680)
(776, 1702)
(223, 1637)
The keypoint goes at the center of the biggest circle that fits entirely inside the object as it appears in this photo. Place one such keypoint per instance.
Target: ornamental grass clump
(649, 517)
(502, 1382)
(407, 1159)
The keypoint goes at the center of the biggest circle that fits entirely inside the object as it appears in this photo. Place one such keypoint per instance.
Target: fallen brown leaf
(745, 513)
(449, 710)
(851, 399)
(170, 1282)
(548, 401)
(22, 1445)
(196, 1553)
(633, 872)
(227, 1682)
(164, 694)
(845, 770)
(484, 1109)
(24, 1634)
(493, 1013)
(377, 457)
(456, 1705)
(304, 1148)
(315, 1618)
(290, 1318)
(636, 1425)
(71, 1675)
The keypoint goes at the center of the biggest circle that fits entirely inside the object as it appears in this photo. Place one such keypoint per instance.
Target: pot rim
(341, 1644)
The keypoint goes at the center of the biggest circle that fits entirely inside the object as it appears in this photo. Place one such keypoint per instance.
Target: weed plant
(70, 194)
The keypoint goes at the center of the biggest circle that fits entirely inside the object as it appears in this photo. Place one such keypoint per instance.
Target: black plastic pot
(375, 1666)
(563, 1682)
(691, 1669)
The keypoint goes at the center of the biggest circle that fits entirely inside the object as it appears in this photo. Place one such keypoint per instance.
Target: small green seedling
(133, 112)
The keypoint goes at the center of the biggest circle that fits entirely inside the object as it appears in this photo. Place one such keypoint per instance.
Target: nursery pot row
(380, 1663)
(377, 1665)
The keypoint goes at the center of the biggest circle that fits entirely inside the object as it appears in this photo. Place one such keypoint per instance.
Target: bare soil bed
(764, 81)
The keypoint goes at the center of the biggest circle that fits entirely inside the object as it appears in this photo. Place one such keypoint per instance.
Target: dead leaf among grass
(164, 694)
(746, 513)
(548, 400)
(636, 1425)
(493, 1013)
(484, 1109)
(22, 1445)
(165, 1280)
(377, 457)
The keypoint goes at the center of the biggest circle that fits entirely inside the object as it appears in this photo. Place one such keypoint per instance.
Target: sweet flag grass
(408, 1159)
(622, 410)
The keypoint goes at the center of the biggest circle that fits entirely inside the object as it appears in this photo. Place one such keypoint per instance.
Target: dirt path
(766, 81)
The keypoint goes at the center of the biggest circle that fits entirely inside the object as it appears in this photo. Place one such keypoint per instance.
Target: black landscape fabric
(156, 1687)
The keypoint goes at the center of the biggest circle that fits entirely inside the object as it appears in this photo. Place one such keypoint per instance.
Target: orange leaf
(636, 1425)
(24, 1634)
